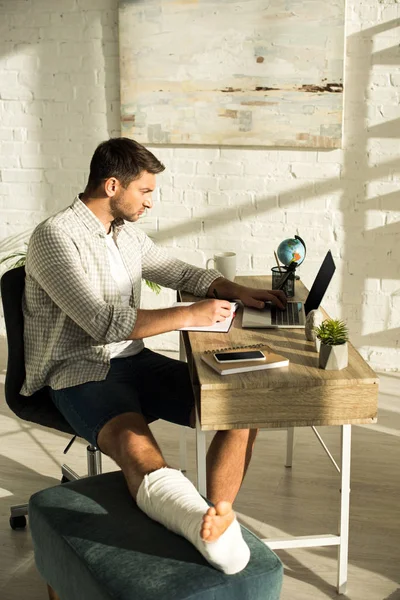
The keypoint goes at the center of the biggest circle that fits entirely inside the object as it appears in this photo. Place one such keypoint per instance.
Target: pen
(277, 262)
(283, 279)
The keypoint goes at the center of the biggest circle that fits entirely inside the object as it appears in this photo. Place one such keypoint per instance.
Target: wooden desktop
(300, 395)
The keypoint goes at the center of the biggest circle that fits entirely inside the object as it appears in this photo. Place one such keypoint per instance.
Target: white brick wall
(59, 97)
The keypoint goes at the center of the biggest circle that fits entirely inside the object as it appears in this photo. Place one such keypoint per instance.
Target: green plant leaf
(20, 255)
(332, 332)
(153, 286)
(20, 262)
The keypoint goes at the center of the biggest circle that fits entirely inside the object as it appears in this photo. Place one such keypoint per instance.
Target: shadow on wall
(366, 184)
(370, 252)
(67, 92)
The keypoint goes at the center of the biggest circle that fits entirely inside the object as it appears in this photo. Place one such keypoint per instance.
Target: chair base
(18, 512)
(68, 474)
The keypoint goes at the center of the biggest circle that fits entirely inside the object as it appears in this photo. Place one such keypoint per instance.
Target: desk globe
(292, 250)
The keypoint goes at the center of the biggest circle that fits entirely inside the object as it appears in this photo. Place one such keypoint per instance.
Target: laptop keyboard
(289, 316)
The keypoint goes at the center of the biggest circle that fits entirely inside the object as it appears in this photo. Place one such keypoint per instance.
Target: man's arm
(161, 268)
(202, 313)
(170, 272)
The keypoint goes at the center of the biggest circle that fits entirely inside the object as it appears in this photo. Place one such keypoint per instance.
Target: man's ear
(111, 186)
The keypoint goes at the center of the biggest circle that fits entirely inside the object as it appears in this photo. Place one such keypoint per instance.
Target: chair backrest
(39, 407)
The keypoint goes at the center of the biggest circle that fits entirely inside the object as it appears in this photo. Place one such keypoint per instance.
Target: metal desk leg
(289, 446)
(182, 450)
(343, 549)
(201, 457)
(182, 434)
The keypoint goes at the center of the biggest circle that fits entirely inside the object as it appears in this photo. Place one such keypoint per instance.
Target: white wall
(59, 97)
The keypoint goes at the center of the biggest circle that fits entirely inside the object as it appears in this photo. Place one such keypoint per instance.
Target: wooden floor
(274, 501)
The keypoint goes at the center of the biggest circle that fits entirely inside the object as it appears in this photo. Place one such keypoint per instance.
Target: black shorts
(148, 383)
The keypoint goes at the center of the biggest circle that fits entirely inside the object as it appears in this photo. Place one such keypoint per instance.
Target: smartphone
(224, 357)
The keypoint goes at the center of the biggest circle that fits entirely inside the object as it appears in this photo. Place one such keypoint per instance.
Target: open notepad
(221, 327)
(271, 361)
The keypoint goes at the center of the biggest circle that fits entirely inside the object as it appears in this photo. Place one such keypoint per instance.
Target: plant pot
(333, 358)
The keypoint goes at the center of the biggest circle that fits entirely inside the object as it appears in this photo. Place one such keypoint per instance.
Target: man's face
(129, 203)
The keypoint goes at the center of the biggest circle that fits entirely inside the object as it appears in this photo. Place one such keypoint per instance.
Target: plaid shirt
(72, 305)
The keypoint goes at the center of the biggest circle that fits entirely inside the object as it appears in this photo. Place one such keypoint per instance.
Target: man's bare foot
(216, 520)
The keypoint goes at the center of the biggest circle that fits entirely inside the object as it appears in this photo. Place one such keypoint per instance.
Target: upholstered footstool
(91, 542)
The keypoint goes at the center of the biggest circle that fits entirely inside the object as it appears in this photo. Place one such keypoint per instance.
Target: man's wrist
(183, 316)
(224, 289)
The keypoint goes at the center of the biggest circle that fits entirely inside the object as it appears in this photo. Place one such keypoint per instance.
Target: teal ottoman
(91, 542)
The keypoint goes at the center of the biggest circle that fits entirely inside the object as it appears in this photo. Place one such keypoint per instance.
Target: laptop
(294, 316)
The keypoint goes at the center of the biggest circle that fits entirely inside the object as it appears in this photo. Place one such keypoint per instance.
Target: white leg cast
(168, 497)
(344, 508)
(201, 457)
(289, 446)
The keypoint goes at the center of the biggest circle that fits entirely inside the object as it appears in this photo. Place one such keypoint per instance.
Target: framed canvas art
(228, 73)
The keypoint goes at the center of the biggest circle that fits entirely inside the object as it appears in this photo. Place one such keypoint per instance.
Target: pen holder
(288, 286)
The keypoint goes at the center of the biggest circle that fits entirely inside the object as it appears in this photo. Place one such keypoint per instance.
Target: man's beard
(117, 208)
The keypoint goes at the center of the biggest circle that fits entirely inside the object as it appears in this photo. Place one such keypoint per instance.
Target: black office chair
(39, 407)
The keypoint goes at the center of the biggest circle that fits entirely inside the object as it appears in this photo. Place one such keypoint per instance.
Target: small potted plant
(333, 336)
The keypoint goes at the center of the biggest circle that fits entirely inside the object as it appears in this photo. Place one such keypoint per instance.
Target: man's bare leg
(228, 458)
(128, 440)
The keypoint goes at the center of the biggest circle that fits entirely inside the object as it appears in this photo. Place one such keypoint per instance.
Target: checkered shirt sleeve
(173, 273)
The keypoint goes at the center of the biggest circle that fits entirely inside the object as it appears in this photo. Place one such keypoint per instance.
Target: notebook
(272, 360)
(220, 327)
(294, 316)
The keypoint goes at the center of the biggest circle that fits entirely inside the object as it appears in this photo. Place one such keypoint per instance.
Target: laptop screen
(320, 284)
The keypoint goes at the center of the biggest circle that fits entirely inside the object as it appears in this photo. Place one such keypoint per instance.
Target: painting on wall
(228, 73)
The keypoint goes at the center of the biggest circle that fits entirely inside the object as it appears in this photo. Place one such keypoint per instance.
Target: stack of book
(271, 360)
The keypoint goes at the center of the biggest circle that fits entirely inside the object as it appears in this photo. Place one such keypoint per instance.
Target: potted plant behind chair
(333, 353)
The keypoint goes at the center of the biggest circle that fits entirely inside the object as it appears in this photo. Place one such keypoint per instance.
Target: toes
(206, 526)
(216, 520)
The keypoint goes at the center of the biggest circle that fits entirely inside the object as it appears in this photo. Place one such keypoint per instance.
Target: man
(83, 338)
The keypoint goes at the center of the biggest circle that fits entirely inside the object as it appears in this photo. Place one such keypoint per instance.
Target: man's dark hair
(123, 159)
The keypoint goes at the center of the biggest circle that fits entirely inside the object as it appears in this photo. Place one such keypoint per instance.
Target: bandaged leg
(167, 496)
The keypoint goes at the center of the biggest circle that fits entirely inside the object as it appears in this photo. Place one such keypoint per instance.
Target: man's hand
(207, 312)
(252, 297)
(198, 314)
(256, 298)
